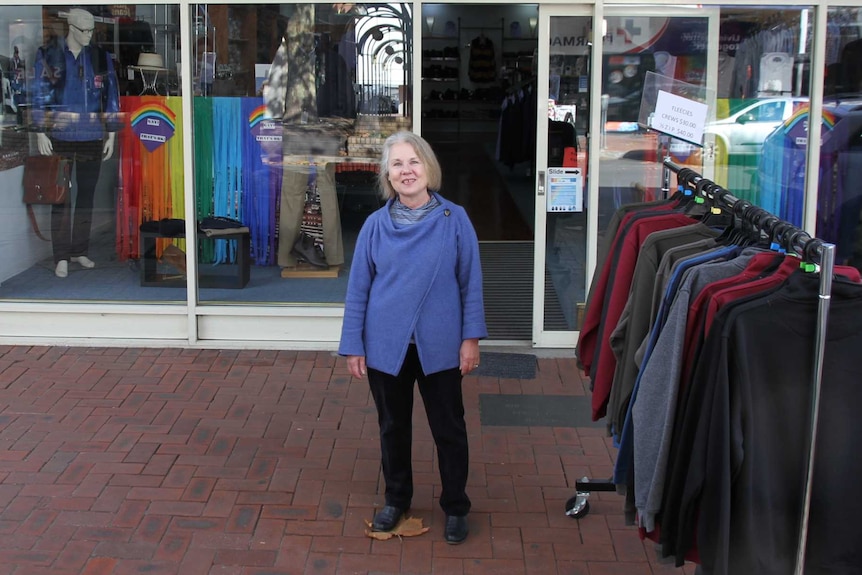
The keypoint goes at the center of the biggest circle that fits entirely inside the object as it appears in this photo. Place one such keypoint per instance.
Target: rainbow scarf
(151, 167)
(238, 171)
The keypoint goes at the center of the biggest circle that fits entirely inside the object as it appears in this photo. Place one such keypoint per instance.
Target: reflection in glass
(65, 78)
(839, 205)
(292, 104)
(568, 122)
(286, 96)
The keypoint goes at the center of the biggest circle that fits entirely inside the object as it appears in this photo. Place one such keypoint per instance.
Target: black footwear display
(387, 518)
(456, 529)
(305, 249)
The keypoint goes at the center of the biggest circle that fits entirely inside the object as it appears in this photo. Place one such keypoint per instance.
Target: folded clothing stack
(221, 226)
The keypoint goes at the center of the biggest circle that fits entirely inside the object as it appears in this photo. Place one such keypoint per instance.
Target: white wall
(19, 246)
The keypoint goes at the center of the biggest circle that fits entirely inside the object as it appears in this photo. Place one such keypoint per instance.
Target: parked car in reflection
(744, 131)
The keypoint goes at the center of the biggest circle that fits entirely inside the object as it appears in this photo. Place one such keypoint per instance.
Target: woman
(414, 312)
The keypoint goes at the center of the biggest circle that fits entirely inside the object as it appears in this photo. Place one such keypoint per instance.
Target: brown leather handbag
(47, 180)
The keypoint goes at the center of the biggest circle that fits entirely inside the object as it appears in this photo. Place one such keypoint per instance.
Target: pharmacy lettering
(153, 124)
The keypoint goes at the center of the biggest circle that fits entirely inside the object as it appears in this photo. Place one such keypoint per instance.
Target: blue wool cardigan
(423, 281)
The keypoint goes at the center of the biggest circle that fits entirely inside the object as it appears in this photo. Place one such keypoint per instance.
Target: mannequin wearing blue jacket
(76, 91)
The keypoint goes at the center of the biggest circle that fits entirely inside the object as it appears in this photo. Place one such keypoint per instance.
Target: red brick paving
(224, 462)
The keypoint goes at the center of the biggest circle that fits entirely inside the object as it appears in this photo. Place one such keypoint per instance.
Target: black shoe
(306, 250)
(456, 529)
(387, 518)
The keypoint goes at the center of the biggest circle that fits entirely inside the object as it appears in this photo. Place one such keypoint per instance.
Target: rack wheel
(577, 506)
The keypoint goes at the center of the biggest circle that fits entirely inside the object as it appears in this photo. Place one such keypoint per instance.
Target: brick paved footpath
(192, 462)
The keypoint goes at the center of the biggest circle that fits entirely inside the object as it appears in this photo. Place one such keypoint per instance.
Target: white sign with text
(679, 117)
(565, 190)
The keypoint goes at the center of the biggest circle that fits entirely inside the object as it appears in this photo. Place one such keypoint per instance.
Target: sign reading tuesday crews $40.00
(679, 117)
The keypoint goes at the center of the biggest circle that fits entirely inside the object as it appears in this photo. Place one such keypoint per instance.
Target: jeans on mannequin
(71, 223)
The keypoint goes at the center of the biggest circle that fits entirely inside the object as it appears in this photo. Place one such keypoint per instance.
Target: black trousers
(444, 406)
(71, 224)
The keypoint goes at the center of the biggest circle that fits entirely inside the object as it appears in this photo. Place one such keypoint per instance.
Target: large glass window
(91, 103)
(754, 142)
(668, 49)
(292, 104)
(839, 202)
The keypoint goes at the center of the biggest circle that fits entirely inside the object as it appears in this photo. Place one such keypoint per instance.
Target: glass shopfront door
(593, 153)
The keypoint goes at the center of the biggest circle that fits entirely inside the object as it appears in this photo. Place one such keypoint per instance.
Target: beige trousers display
(293, 187)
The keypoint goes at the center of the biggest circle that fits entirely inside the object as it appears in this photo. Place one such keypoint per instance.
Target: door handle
(541, 189)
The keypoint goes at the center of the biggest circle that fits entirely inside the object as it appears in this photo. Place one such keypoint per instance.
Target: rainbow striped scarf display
(238, 171)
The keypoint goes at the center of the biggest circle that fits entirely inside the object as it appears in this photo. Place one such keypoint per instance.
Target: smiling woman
(414, 313)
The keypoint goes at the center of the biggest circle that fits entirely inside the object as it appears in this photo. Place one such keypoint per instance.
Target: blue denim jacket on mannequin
(75, 99)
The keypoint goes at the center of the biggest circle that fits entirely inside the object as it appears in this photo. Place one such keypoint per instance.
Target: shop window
(291, 103)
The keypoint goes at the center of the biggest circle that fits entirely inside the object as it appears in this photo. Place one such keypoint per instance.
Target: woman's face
(407, 174)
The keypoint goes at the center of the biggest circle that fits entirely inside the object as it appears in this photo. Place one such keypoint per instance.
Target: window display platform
(229, 276)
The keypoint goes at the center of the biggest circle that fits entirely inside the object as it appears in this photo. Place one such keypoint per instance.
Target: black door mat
(508, 365)
(536, 411)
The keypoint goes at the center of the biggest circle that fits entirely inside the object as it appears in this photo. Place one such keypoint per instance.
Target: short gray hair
(423, 150)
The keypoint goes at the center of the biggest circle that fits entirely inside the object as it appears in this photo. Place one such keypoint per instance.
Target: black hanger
(718, 215)
(776, 229)
(733, 234)
(683, 181)
(697, 206)
(796, 241)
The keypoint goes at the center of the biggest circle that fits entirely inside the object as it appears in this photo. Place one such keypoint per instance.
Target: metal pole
(827, 262)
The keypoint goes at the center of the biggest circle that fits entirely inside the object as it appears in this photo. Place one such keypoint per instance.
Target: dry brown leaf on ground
(408, 527)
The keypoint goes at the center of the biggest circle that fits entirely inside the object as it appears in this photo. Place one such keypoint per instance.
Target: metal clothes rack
(813, 250)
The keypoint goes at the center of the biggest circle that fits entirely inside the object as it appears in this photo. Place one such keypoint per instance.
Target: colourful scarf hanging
(227, 139)
(175, 163)
(261, 157)
(151, 181)
(238, 171)
(129, 192)
(203, 118)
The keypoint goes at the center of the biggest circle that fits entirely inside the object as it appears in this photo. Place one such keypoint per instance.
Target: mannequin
(76, 91)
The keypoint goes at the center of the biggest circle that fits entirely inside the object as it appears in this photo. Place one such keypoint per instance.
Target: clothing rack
(815, 251)
(794, 240)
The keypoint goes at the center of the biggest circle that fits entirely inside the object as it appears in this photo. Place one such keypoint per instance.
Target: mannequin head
(81, 25)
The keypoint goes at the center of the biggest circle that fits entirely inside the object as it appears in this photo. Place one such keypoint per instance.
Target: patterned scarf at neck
(404, 216)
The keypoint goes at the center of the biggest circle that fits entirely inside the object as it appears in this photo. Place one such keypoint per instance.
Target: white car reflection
(745, 131)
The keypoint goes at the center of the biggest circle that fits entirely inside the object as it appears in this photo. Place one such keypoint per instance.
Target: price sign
(679, 117)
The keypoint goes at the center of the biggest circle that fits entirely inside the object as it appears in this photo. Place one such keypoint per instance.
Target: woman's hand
(356, 364)
(469, 355)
